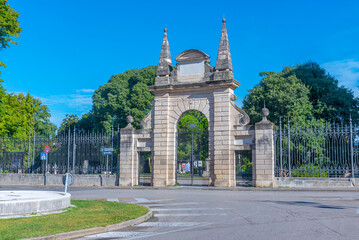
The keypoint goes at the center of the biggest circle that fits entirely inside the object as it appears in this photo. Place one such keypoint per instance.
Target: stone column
(223, 159)
(263, 160)
(128, 156)
(164, 162)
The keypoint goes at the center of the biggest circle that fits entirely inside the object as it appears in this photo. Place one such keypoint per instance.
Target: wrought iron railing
(317, 150)
(74, 152)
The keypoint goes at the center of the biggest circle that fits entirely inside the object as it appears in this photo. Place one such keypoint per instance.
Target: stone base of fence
(56, 179)
(317, 182)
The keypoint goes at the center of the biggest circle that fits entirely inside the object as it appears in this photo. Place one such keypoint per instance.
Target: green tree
(200, 134)
(123, 93)
(9, 26)
(21, 113)
(284, 95)
(86, 123)
(69, 121)
(331, 102)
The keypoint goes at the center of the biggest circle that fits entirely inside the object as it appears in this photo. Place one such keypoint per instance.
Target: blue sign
(107, 153)
(43, 156)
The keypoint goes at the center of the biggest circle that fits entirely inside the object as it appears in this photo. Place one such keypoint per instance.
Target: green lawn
(87, 214)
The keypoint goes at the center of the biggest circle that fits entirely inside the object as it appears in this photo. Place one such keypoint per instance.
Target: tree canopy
(283, 93)
(9, 26)
(304, 92)
(332, 102)
(19, 113)
(122, 95)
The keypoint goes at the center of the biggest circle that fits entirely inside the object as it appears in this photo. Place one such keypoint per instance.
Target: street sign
(107, 153)
(199, 163)
(43, 156)
(67, 180)
(70, 179)
(47, 149)
(107, 149)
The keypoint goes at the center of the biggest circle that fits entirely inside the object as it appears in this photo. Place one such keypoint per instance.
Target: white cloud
(347, 72)
(85, 90)
(60, 105)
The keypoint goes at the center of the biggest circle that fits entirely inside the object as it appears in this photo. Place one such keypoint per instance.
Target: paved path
(190, 213)
(204, 214)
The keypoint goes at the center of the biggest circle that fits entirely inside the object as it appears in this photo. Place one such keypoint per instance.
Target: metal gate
(192, 166)
(145, 167)
(244, 167)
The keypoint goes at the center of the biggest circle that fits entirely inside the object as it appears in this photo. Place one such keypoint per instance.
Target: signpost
(47, 149)
(46, 153)
(43, 156)
(67, 180)
(106, 152)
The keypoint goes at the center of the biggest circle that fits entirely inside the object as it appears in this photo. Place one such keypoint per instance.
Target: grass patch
(87, 214)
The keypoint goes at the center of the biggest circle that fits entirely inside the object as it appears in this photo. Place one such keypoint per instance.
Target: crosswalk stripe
(112, 200)
(117, 235)
(168, 224)
(184, 209)
(145, 200)
(172, 204)
(187, 214)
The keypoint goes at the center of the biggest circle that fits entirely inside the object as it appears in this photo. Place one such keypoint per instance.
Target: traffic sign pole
(106, 164)
(67, 179)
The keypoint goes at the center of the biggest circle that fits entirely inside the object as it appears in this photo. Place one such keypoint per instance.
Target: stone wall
(56, 179)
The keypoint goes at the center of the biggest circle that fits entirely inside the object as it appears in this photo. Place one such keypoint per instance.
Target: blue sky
(69, 48)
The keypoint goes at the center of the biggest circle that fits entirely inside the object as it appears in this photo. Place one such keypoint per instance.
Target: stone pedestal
(128, 158)
(263, 164)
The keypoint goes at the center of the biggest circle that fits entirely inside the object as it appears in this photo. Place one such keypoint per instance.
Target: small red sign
(47, 149)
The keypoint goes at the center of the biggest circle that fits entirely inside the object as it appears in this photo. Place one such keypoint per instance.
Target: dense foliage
(284, 95)
(9, 26)
(330, 101)
(302, 93)
(122, 95)
(200, 135)
(19, 113)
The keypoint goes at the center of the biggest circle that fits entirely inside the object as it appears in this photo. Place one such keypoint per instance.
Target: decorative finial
(264, 113)
(224, 20)
(129, 119)
(165, 29)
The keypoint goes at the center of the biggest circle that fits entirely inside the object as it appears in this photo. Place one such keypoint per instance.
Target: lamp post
(192, 126)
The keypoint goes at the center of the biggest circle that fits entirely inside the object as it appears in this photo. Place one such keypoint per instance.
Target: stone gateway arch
(195, 85)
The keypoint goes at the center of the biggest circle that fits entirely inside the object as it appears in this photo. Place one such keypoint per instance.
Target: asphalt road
(195, 213)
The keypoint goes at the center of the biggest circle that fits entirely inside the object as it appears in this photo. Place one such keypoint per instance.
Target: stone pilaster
(163, 144)
(263, 160)
(223, 157)
(128, 157)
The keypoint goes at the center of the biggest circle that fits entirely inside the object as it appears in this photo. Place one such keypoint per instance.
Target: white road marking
(145, 200)
(171, 204)
(168, 224)
(172, 231)
(188, 214)
(184, 209)
(118, 235)
(112, 200)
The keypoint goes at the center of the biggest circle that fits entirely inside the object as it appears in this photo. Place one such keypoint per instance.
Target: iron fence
(320, 150)
(192, 166)
(75, 152)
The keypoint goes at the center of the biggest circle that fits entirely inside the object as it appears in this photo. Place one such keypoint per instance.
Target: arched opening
(192, 165)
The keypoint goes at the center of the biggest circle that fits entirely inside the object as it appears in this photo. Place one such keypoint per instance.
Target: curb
(96, 230)
(197, 188)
